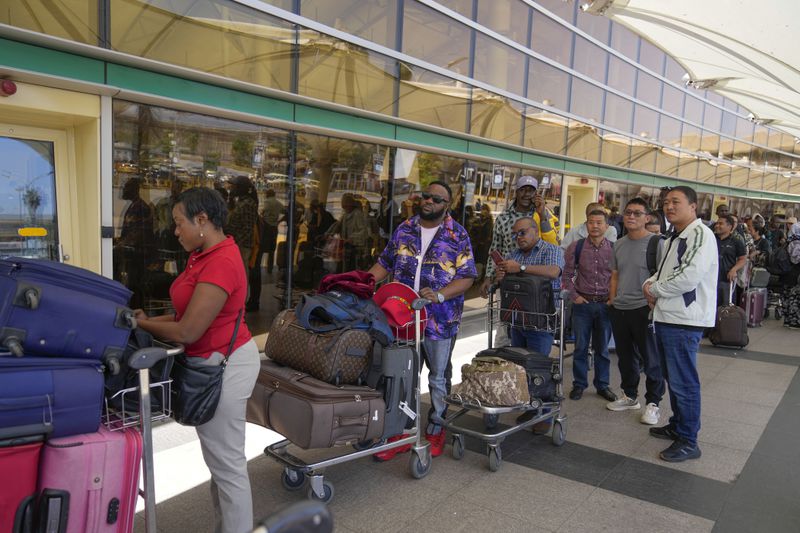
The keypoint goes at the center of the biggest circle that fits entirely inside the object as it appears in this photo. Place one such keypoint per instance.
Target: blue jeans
(590, 322)
(437, 359)
(677, 348)
(538, 341)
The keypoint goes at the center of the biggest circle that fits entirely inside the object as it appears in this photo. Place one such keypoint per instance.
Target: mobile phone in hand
(497, 257)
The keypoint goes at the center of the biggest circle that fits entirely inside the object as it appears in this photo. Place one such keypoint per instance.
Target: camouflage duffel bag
(493, 381)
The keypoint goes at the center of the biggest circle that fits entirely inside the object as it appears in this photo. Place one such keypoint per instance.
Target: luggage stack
(63, 327)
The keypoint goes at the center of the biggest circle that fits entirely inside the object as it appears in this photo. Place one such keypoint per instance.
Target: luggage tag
(408, 410)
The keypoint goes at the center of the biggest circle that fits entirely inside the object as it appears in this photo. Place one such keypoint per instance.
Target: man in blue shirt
(535, 257)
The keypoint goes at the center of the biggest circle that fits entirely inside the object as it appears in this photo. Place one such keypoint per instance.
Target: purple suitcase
(49, 395)
(755, 305)
(49, 308)
(92, 480)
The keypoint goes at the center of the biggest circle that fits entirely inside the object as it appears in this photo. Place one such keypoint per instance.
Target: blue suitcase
(47, 395)
(49, 308)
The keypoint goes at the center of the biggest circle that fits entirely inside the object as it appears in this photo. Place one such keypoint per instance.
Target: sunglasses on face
(435, 197)
(520, 233)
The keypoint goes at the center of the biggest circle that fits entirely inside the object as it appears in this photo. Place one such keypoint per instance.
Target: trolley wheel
(490, 421)
(327, 488)
(458, 447)
(559, 433)
(418, 469)
(293, 479)
(495, 458)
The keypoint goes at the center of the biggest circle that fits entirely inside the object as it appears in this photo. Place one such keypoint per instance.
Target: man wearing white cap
(527, 203)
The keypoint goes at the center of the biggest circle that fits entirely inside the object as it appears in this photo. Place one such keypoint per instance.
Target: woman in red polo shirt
(208, 298)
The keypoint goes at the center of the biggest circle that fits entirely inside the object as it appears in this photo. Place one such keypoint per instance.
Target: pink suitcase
(19, 465)
(92, 478)
(755, 304)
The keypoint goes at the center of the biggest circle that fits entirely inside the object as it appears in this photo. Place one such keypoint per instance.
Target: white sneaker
(650, 415)
(623, 404)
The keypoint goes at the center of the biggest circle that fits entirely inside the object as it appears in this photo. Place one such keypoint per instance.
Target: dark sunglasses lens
(436, 199)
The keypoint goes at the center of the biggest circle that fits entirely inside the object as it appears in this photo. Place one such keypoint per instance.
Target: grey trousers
(222, 442)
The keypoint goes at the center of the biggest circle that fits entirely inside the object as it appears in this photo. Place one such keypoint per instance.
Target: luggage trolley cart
(544, 410)
(133, 407)
(296, 471)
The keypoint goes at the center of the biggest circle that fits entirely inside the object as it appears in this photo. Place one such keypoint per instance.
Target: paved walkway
(607, 477)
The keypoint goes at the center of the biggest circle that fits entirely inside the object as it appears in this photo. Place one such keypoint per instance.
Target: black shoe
(607, 394)
(541, 428)
(680, 451)
(525, 417)
(664, 432)
(576, 393)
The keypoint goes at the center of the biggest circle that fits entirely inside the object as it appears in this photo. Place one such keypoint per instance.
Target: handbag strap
(235, 333)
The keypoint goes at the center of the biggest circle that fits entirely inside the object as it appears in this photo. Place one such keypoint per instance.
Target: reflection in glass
(651, 56)
(770, 181)
(218, 36)
(547, 84)
(435, 38)
(621, 75)
(506, 18)
(590, 59)
(545, 131)
(648, 88)
(75, 20)
(346, 74)
(432, 99)
(498, 64)
(583, 141)
(28, 222)
(586, 100)
(707, 171)
(551, 38)
(374, 21)
(741, 178)
(616, 149)
(496, 118)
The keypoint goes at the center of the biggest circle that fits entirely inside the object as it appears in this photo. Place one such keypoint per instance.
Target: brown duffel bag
(312, 413)
(493, 381)
(339, 357)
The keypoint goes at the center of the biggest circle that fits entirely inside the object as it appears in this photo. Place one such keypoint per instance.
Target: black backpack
(779, 261)
(343, 310)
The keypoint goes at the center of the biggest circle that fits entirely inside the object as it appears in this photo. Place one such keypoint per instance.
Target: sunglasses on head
(435, 197)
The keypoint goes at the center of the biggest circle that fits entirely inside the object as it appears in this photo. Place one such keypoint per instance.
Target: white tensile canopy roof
(745, 50)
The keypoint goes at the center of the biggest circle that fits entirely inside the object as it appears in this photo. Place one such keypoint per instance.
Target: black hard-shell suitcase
(311, 413)
(392, 372)
(542, 371)
(52, 309)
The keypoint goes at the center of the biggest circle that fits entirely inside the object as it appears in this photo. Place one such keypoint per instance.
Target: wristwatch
(440, 297)
(522, 268)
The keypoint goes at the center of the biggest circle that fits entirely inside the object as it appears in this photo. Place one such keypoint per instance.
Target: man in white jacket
(683, 295)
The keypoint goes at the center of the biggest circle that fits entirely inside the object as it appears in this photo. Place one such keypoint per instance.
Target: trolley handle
(419, 303)
(148, 357)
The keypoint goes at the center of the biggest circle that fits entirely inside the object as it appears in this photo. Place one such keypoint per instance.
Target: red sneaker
(388, 455)
(437, 443)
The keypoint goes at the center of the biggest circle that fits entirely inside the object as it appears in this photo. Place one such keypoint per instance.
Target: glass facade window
(693, 109)
(496, 118)
(551, 39)
(618, 112)
(673, 71)
(375, 20)
(346, 74)
(499, 65)
(429, 98)
(509, 19)
(563, 10)
(76, 20)
(219, 37)
(672, 100)
(597, 27)
(712, 118)
(547, 84)
(648, 88)
(651, 57)
(463, 7)
(624, 41)
(590, 59)
(545, 131)
(586, 100)
(435, 38)
(621, 75)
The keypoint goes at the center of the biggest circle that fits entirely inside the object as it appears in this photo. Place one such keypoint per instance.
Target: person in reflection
(136, 243)
(209, 299)
(432, 253)
(243, 219)
(353, 228)
(682, 294)
(270, 215)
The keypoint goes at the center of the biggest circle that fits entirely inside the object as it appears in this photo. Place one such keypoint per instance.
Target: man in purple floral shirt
(432, 253)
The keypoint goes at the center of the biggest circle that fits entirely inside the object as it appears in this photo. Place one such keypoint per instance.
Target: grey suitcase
(392, 372)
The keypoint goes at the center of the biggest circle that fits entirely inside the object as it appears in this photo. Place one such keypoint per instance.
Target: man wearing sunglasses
(432, 253)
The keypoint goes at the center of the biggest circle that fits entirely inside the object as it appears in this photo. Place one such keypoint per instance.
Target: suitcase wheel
(32, 299)
(293, 479)
(458, 447)
(13, 345)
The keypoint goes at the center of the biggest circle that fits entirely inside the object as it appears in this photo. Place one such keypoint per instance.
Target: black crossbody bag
(196, 389)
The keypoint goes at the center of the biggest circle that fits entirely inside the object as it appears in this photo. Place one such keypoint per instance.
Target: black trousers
(637, 352)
